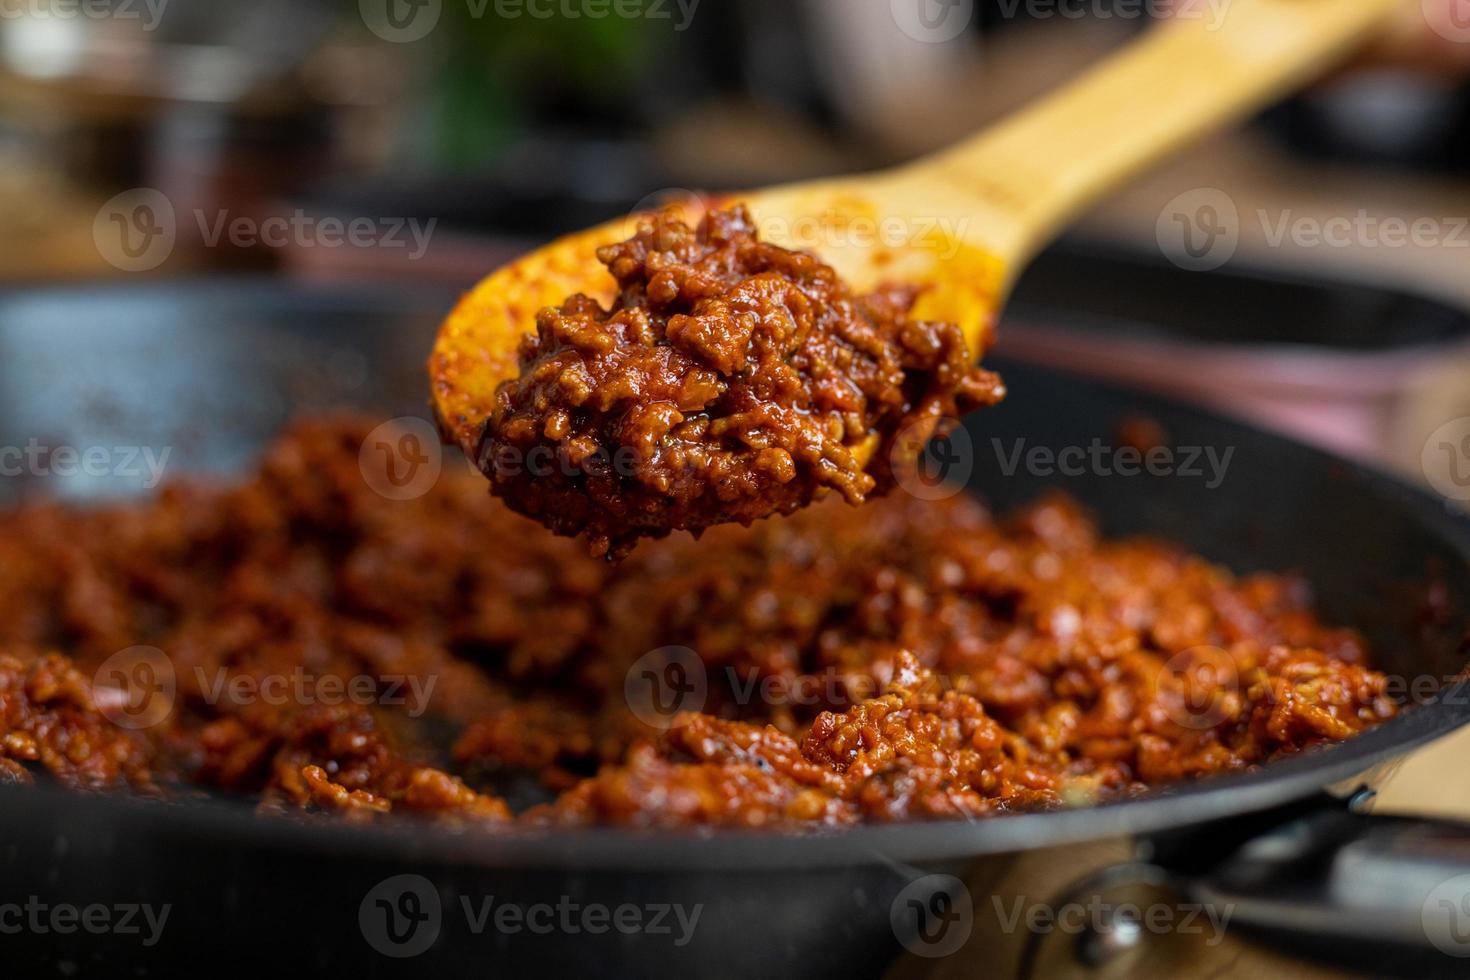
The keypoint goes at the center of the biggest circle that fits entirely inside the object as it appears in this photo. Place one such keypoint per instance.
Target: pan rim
(1170, 808)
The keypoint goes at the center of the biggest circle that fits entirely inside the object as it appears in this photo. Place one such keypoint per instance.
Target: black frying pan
(213, 370)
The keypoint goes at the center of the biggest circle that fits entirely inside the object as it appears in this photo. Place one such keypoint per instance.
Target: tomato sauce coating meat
(908, 660)
(731, 380)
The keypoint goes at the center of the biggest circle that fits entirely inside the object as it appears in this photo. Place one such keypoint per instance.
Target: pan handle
(1390, 894)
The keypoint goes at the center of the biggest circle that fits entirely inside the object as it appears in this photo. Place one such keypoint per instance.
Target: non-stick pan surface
(212, 371)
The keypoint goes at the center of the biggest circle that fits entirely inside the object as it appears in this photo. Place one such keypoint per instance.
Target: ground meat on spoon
(731, 380)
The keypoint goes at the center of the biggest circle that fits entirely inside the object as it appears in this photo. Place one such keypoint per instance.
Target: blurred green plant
(500, 76)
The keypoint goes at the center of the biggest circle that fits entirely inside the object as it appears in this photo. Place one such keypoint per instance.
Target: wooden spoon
(964, 222)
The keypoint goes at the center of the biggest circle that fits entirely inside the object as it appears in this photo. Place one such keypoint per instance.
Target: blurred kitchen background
(457, 133)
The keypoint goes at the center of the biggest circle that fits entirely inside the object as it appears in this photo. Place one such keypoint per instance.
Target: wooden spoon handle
(1211, 65)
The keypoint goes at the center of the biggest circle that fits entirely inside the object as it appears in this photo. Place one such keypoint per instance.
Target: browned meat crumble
(908, 660)
(731, 380)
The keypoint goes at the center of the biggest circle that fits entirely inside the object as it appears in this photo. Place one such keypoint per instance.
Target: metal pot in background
(1367, 372)
(205, 103)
